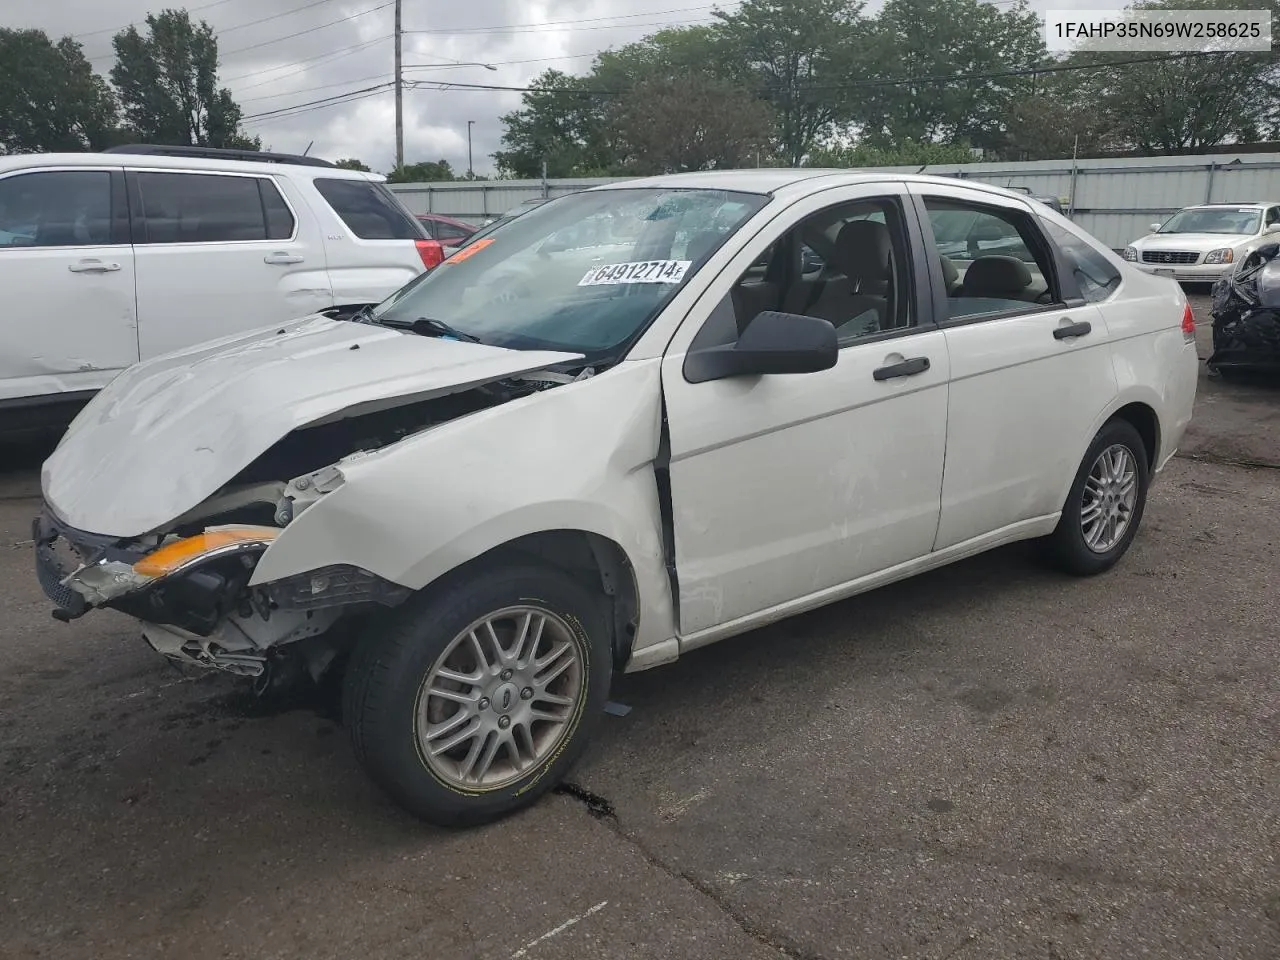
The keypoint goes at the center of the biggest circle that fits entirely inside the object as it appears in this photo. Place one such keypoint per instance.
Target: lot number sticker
(642, 271)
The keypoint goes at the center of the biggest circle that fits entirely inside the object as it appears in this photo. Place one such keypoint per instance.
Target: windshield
(584, 274)
(1217, 220)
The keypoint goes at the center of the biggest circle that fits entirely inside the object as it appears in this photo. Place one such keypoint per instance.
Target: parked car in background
(448, 230)
(1199, 244)
(1053, 203)
(111, 258)
(625, 429)
(516, 211)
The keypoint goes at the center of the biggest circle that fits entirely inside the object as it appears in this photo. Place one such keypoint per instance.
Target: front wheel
(1104, 508)
(479, 696)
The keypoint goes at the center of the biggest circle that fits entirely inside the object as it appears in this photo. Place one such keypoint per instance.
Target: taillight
(1188, 323)
(431, 252)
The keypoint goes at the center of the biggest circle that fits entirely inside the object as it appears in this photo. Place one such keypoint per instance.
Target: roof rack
(218, 153)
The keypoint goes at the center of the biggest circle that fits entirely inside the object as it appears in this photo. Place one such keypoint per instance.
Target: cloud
(281, 56)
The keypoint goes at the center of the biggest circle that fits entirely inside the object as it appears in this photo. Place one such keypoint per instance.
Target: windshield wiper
(430, 327)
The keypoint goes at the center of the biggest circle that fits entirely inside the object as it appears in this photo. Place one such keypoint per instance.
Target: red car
(448, 230)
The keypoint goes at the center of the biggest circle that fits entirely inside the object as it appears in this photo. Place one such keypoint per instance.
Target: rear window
(211, 208)
(369, 210)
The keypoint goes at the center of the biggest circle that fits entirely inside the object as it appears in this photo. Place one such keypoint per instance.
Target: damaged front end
(191, 588)
(176, 480)
(1246, 315)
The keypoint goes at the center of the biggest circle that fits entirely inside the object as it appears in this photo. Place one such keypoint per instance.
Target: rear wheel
(479, 696)
(1102, 512)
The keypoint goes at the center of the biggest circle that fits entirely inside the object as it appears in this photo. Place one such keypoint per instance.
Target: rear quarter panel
(1154, 363)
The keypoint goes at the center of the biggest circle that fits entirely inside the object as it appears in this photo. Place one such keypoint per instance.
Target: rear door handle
(1072, 330)
(904, 368)
(93, 266)
(282, 258)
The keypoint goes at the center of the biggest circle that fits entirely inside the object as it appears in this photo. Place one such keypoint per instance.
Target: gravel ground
(987, 761)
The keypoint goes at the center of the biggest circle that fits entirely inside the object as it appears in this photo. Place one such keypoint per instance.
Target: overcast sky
(279, 54)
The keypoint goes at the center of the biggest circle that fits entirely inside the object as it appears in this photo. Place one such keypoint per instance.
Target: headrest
(997, 275)
(949, 272)
(863, 250)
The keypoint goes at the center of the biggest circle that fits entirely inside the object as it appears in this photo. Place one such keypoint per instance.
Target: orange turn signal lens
(174, 556)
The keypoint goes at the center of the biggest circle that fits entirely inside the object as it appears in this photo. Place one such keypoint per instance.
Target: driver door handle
(93, 266)
(1072, 330)
(281, 257)
(904, 368)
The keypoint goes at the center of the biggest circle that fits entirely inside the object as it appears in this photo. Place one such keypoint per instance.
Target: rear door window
(56, 208)
(210, 208)
(369, 210)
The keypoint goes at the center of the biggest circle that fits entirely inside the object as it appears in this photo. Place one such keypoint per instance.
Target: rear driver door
(1031, 368)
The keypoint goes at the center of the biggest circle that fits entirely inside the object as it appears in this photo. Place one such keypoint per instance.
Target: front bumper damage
(199, 609)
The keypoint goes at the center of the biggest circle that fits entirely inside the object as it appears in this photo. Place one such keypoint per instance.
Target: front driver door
(786, 488)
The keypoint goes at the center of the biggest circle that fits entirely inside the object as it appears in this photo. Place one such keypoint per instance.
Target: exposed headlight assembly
(1221, 255)
(333, 586)
(1131, 254)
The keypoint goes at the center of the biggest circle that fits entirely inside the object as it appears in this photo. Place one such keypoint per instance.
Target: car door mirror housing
(773, 342)
(1153, 227)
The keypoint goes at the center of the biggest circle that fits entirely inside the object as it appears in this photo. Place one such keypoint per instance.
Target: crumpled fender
(573, 457)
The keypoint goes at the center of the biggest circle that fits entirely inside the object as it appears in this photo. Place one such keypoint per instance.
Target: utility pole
(399, 92)
(471, 170)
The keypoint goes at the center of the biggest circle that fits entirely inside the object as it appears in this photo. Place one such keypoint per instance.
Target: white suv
(111, 258)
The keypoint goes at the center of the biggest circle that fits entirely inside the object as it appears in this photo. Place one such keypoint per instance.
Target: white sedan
(1200, 244)
(479, 507)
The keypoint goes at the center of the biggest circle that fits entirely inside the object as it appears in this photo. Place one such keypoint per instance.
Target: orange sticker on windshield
(470, 251)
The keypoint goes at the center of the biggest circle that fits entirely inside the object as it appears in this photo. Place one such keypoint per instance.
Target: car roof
(443, 218)
(23, 161)
(796, 181)
(1247, 204)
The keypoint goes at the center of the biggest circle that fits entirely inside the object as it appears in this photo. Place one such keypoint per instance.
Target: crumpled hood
(168, 433)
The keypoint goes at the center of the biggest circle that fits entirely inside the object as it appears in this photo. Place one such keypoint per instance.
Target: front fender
(574, 457)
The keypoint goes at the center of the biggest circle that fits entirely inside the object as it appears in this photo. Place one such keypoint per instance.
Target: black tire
(1067, 547)
(391, 664)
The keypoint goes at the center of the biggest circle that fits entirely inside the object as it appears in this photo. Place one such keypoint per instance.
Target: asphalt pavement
(988, 761)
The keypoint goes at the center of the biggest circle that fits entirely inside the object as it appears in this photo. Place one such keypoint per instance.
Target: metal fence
(1114, 199)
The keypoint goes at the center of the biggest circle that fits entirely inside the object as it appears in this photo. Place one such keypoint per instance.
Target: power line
(515, 31)
(445, 85)
(365, 95)
(322, 101)
(303, 33)
(553, 23)
(318, 58)
(98, 33)
(274, 16)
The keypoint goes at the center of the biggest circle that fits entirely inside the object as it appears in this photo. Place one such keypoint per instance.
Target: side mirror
(1272, 227)
(1153, 228)
(772, 343)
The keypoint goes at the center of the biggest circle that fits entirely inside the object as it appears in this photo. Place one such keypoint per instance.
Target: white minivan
(111, 258)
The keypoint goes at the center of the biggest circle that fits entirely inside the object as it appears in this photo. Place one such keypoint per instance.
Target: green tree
(50, 98)
(563, 121)
(1185, 104)
(168, 84)
(425, 172)
(1059, 116)
(919, 39)
(909, 153)
(672, 124)
(352, 164)
(800, 56)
